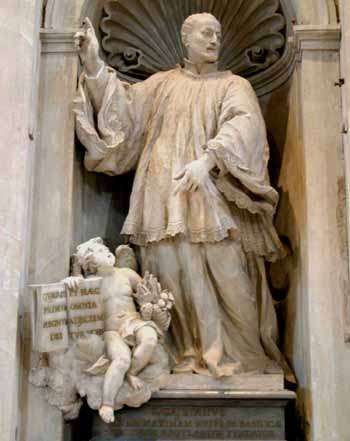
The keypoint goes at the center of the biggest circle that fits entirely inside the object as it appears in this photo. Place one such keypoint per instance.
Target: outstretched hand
(87, 46)
(194, 176)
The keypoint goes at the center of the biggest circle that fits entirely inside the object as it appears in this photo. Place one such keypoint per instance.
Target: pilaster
(51, 223)
(318, 350)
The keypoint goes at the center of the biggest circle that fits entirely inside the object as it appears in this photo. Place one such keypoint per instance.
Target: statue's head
(94, 254)
(201, 37)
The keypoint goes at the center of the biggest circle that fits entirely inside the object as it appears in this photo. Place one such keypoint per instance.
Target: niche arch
(67, 14)
(265, 54)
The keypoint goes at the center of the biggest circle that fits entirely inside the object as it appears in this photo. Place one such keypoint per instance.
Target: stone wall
(19, 24)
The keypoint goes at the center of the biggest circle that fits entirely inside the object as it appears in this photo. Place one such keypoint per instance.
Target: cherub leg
(120, 355)
(146, 339)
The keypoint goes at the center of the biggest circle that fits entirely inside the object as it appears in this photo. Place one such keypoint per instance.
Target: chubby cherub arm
(134, 278)
(73, 282)
(76, 277)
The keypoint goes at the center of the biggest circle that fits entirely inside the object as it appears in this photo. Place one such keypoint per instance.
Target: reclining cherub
(130, 336)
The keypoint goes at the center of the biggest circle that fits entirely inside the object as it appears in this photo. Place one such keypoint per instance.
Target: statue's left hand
(72, 283)
(195, 175)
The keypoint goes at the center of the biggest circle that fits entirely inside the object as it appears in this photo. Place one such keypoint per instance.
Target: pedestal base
(242, 382)
(198, 416)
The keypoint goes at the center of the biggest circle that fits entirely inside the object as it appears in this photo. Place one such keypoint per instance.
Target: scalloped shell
(142, 37)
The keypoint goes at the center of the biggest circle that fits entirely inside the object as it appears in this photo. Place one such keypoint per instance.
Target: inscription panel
(194, 422)
(60, 315)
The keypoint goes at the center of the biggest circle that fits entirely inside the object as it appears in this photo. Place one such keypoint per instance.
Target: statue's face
(203, 41)
(100, 257)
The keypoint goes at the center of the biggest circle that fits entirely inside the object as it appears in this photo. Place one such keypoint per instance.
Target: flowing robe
(208, 247)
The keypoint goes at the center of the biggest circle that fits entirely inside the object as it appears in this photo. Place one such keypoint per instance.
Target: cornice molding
(57, 41)
(316, 38)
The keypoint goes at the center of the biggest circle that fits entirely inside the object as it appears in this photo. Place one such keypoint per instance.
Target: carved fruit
(164, 296)
(161, 303)
(146, 311)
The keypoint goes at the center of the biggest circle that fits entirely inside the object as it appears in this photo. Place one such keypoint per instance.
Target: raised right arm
(94, 69)
(111, 116)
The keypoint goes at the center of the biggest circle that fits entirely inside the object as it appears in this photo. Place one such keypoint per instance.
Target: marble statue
(201, 209)
(130, 341)
(130, 362)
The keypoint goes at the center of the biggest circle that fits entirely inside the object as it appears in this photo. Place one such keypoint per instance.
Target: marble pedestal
(197, 416)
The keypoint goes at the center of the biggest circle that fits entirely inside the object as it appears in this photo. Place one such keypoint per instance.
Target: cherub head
(92, 255)
(201, 37)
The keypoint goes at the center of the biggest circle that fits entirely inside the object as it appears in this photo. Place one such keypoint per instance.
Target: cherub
(129, 340)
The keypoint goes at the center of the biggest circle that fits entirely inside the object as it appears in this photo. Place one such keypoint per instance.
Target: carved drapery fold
(142, 37)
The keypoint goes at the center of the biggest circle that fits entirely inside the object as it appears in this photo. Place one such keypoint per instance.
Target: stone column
(312, 180)
(19, 24)
(54, 162)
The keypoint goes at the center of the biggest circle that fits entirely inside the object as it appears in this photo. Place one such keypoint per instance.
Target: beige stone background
(44, 195)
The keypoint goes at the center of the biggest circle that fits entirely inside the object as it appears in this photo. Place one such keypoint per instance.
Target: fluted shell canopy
(142, 37)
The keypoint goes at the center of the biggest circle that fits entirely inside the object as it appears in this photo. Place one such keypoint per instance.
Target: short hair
(189, 23)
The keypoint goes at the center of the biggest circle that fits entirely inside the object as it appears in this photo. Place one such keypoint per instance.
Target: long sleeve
(96, 87)
(241, 151)
(111, 119)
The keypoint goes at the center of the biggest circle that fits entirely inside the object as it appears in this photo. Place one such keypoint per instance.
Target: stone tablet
(199, 419)
(49, 317)
(60, 315)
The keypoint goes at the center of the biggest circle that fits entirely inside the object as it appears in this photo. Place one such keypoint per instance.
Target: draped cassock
(207, 247)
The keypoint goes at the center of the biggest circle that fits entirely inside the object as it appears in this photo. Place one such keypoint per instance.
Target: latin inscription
(73, 321)
(63, 314)
(201, 423)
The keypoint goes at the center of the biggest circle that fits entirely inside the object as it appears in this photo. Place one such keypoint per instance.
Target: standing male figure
(201, 209)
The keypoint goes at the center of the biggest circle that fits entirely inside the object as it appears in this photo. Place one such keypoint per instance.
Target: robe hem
(143, 238)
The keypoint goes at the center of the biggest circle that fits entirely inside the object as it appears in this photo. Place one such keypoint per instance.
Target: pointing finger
(87, 23)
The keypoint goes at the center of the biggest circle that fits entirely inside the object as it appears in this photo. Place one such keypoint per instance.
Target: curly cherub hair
(82, 259)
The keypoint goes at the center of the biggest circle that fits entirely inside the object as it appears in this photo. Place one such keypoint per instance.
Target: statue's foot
(107, 414)
(221, 371)
(187, 365)
(135, 382)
